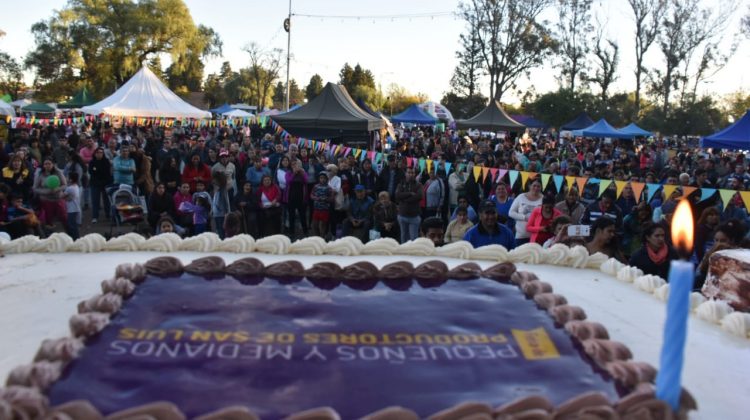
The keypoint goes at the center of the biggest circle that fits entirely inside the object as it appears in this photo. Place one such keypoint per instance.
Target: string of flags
(139, 121)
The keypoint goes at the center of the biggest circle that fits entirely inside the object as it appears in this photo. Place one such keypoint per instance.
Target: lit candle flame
(682, 228)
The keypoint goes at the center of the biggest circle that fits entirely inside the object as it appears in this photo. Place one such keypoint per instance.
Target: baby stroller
(127, 208)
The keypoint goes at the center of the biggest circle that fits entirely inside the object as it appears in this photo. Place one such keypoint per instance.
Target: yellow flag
(620, 185)
(746, 199)
(668, 190)
(603, 185)
(726, 196)
(477, 173)
(429, 166)
(570, 180)
(524, 178)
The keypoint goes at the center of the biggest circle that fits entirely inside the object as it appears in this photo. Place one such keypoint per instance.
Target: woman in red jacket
(269, 196)
(196, 170)
(540, 220)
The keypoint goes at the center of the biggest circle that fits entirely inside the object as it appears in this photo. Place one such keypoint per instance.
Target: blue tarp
(530, 121)
(635, 131)
(602, 129)
(414, 115)
(734, 137)
(222, 109)
(580, 122)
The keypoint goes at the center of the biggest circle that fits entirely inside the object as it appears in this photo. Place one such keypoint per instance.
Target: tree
(104, 43)
(186, 74)
(573, 28)
(296, 95)
(648, 15)
(215, 85)
(314, 87)
(737, 103)
(358, 76)
(465, 79)
(265, 66)
(557, 108)
(399, 98)
(512, 40)
(746, 24)
(11, 75)
(463, 106)
(607, 53)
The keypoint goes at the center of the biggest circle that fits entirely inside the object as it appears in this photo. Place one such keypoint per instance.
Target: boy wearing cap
(488, 231)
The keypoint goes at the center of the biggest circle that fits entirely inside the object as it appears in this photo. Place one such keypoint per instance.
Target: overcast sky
(417, 53)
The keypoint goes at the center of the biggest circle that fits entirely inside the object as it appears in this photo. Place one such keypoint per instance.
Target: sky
(417, 53)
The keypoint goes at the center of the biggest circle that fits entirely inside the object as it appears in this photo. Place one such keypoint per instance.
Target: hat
(223, 152)
(487, 205)
(359, 187)
(322, 173)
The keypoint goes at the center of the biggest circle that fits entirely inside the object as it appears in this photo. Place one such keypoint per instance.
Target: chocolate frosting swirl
(133, 272)
(245, 267)
(88, 324)
(605, 351)
(361, 270)
(549, 300)
(161, 410)
(290, 268)
(521, 277)
(392, 413)
(119, 286)
(25, 403)
(501, 271)
(397, 271)
(576, 407)
(36, 375)
(230, 413)
(465, 271)
(324, 270)
(164, 266)
(62, 349)
(564, 313)
(206, 266)
(525, 404)
(534, 287)
(464, 410)
(321, 413)
(75, 410)
(109, 303)
(584, 330)
(631, 373)
(433, 270)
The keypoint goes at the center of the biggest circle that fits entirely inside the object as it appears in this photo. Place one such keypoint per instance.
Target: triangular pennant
(378, 157)
(581, 182)
(477, 173)
(746, 199)
(513, 177)
(448, 167)
(485, 172)
(707, 193)
(570, 180)
(429, 166)
(558, 180)
(545, 180)
(727, 196)
(524, 179)
(501, 174)
(620, 185)
(461, 167)
(686, 191)
(422, 164)
(652, 189)
(668, 190)
(603, 185)
(637, 190)
(493, 171)
(409, 162)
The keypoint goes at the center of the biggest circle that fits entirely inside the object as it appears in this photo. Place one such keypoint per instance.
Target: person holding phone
(540, 221)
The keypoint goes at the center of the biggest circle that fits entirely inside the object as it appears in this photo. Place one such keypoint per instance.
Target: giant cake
(341, 328)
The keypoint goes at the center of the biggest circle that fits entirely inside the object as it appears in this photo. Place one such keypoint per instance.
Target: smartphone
(579, 230)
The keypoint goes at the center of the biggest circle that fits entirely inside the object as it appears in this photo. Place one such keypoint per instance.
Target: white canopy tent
(6, 109)
(144, 95)
(237, 113)
(20, 103)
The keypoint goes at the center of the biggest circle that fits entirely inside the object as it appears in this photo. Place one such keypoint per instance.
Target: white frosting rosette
(737, 323)
(205, 242)
(611, 267)
(530, 253)
(275, 244)
(347, 246)
(128, 242)
(21, 245)
(491, 253)
(57, 242)
(595, 261)
(713, 311)
(240, 244)
(557, 254)
(93, 242)
(165, 242)
(649, 283)
(460, 249)
(313, 245)
(578, 257)
(381, 246)
(418, 247)
(628, 274)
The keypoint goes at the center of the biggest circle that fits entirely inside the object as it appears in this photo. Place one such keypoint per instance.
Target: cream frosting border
(712, 311)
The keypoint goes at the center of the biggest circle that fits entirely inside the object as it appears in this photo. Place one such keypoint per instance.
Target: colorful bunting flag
(448, 167)
(429, 166)
(477, 173)
(652, 189)
(581, 182)
(513, 177)
(485, 172)
(687, 190)
(493, 171)
(620, 185)
(603, 185)
(501, 174)
(727, 196)
(545, 180)
(422, 164)
(668, 190)
(524, 179)
(571, 180)
(707, 193)
(746, 199)
(637, 190)
(558, 180)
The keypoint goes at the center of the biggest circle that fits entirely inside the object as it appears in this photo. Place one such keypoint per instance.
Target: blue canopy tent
(602, 129)
(222, 109)
(530, 121)
(580, 122)
(414, 115)
(635, 130)
(734, 137)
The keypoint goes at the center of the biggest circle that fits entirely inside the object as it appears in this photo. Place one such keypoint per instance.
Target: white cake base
(39, 293)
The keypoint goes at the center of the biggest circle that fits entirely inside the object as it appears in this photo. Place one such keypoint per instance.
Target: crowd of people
(233, 180)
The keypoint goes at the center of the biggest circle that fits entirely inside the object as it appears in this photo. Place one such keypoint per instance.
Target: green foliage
(737, 103)
(104, 43)
(314, 87)
(360, 83)
(370, 96)
(463, 106)
(296, 95)
(399, 99)
(11, 75)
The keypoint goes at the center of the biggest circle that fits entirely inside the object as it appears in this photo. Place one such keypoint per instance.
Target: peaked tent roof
(331, 114)
(79, 100)
(6, 109)
(144, 95)
(414, 115)
(734, 137)
(634, 130)
(493, 117)
(602, 129)
(237, 113)
(21, 102)
(222, 109)
(580, 122)
(38, 107)
(529, 121)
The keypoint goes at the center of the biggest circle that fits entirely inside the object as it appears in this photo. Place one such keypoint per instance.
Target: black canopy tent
(330, 115)
(491, 118)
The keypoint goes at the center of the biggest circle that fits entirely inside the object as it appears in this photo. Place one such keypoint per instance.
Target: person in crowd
(169, 174)
(571, 206)
(18, 178)
(195, 171)
(220, 202)
(627, 202)
(247, 204)
(16, 219)
(605, 207)
(166, 224)
(297, 194)
(434, 196)
(72, 196)
(656, 254)
(390, 177)
(704, 234)
(123, 167)
(489, 231)
(472, 214)
(269, 197)
(160, 204)
(284, 168)
(633, 225)
(228, 168)
(409, 194)
(458, 226)
(255, 173)
(183, 196)
(51, 202)
(384, 214)
(503, 202)
(359, 215)
(728, 235)
(322, 197)
(540, 221)
(366, 176)
(521, 209)
(603, 239)
(432, 229)
(100, 177)
(559, 228)
(232, 224)
(200, 211)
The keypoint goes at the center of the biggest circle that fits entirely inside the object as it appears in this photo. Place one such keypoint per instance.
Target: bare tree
(573, 29)
(746, 24)
(512, 40)
(265, 66)
(465, 79)
(607, 54)
(648, 15)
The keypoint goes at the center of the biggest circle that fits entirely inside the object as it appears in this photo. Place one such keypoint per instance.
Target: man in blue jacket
(488, 231)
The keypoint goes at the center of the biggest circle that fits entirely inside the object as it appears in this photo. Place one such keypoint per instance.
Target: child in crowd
(322, 197)
(220, 204)
(200, 211)
(72, 197)
(232, 224)
(19, 220)
(183, 196)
